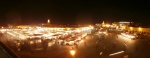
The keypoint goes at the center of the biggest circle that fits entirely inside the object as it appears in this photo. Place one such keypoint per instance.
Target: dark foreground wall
(7, 50)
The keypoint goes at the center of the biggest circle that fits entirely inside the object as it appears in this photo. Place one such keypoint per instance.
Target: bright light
(103, 25)
(124, 38)
(124, 27)
(11, 34)
(124, 22)
(3, 30)
(48, 21)
(131, 37)
(117, 27)
(2, 27)
(39, 41)
(78, 31)
(72, 52)
(50, 44)
(116, 53)
(131, 28)
(105, 32)
(107, 25)
(79, 38)
(140, 29)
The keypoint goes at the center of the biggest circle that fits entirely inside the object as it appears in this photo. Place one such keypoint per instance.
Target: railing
(10, 52)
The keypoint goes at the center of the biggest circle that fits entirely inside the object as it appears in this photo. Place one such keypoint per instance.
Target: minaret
(103, 23)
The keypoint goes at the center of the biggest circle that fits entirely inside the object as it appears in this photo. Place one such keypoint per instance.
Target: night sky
(73, 12)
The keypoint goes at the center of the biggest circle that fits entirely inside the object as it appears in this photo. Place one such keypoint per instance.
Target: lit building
(124, 25)
(139, 29)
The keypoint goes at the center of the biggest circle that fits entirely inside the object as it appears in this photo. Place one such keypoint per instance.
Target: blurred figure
(114, 44)
(97, 47)
(84, 43)
(117, 36)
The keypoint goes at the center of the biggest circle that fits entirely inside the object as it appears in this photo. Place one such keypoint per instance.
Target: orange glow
(72, 52)
(140, 29)
(107, 25)
(131, 28)
(48, 21)
(2, 27)
(103, 25)
(124, 27)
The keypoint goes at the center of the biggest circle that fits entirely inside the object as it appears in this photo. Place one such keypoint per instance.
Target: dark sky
(73, 12)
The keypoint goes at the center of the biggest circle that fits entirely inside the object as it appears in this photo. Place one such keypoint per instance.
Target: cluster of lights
(131, 28)
(128, 36)
(45, 31)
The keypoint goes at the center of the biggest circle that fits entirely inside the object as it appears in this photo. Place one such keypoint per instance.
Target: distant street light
(72, 52)
(48, 21)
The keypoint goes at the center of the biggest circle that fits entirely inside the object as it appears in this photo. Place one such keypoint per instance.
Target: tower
(103, 23)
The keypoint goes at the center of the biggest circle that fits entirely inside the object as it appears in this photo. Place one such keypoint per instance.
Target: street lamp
(72, 52)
